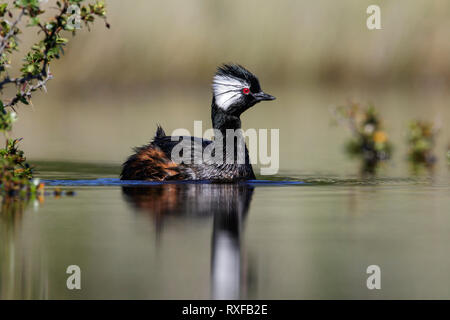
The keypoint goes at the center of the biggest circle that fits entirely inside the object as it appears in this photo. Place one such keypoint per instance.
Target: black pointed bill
(262, 96)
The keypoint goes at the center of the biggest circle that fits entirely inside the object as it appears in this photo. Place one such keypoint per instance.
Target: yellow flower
(379, 137)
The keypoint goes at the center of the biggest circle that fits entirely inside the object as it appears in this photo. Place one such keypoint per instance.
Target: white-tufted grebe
(235, 89)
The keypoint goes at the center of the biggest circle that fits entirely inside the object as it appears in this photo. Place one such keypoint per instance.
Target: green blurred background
(156, 63)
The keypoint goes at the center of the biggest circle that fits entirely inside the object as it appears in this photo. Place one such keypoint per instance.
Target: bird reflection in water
(228, 204)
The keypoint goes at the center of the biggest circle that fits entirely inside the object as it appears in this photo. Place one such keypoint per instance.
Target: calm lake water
(268, 240)
(311, 238)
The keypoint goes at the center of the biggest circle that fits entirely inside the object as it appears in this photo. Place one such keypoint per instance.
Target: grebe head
(235, 89)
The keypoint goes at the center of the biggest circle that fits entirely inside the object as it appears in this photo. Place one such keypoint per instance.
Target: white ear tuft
(227, 90)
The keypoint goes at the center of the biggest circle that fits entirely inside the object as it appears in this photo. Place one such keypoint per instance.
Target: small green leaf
(34, 22)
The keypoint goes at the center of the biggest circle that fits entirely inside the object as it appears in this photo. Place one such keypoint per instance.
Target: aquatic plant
(421, 138)
(15, 172)
(370, 142)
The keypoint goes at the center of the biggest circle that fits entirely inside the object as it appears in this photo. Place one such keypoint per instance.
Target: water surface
(307, 238)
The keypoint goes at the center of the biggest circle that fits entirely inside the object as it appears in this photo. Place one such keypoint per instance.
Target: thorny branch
(28, 89)
(15, 172)
(35, 71)
(21, 80)
(44, 75)
(4, 41)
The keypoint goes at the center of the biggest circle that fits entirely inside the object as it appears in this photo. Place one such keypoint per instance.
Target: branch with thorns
(15, 173)
(25, 92)
(35, 70)
(5, 39)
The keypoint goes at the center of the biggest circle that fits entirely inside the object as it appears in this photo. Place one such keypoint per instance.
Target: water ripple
(118, 182)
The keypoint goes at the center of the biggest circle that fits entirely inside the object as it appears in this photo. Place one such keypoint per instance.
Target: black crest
(239, 72)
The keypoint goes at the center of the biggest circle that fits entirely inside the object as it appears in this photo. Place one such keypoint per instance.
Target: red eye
(246, 91)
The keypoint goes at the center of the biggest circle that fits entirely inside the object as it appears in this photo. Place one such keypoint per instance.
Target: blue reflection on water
(118, 182)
